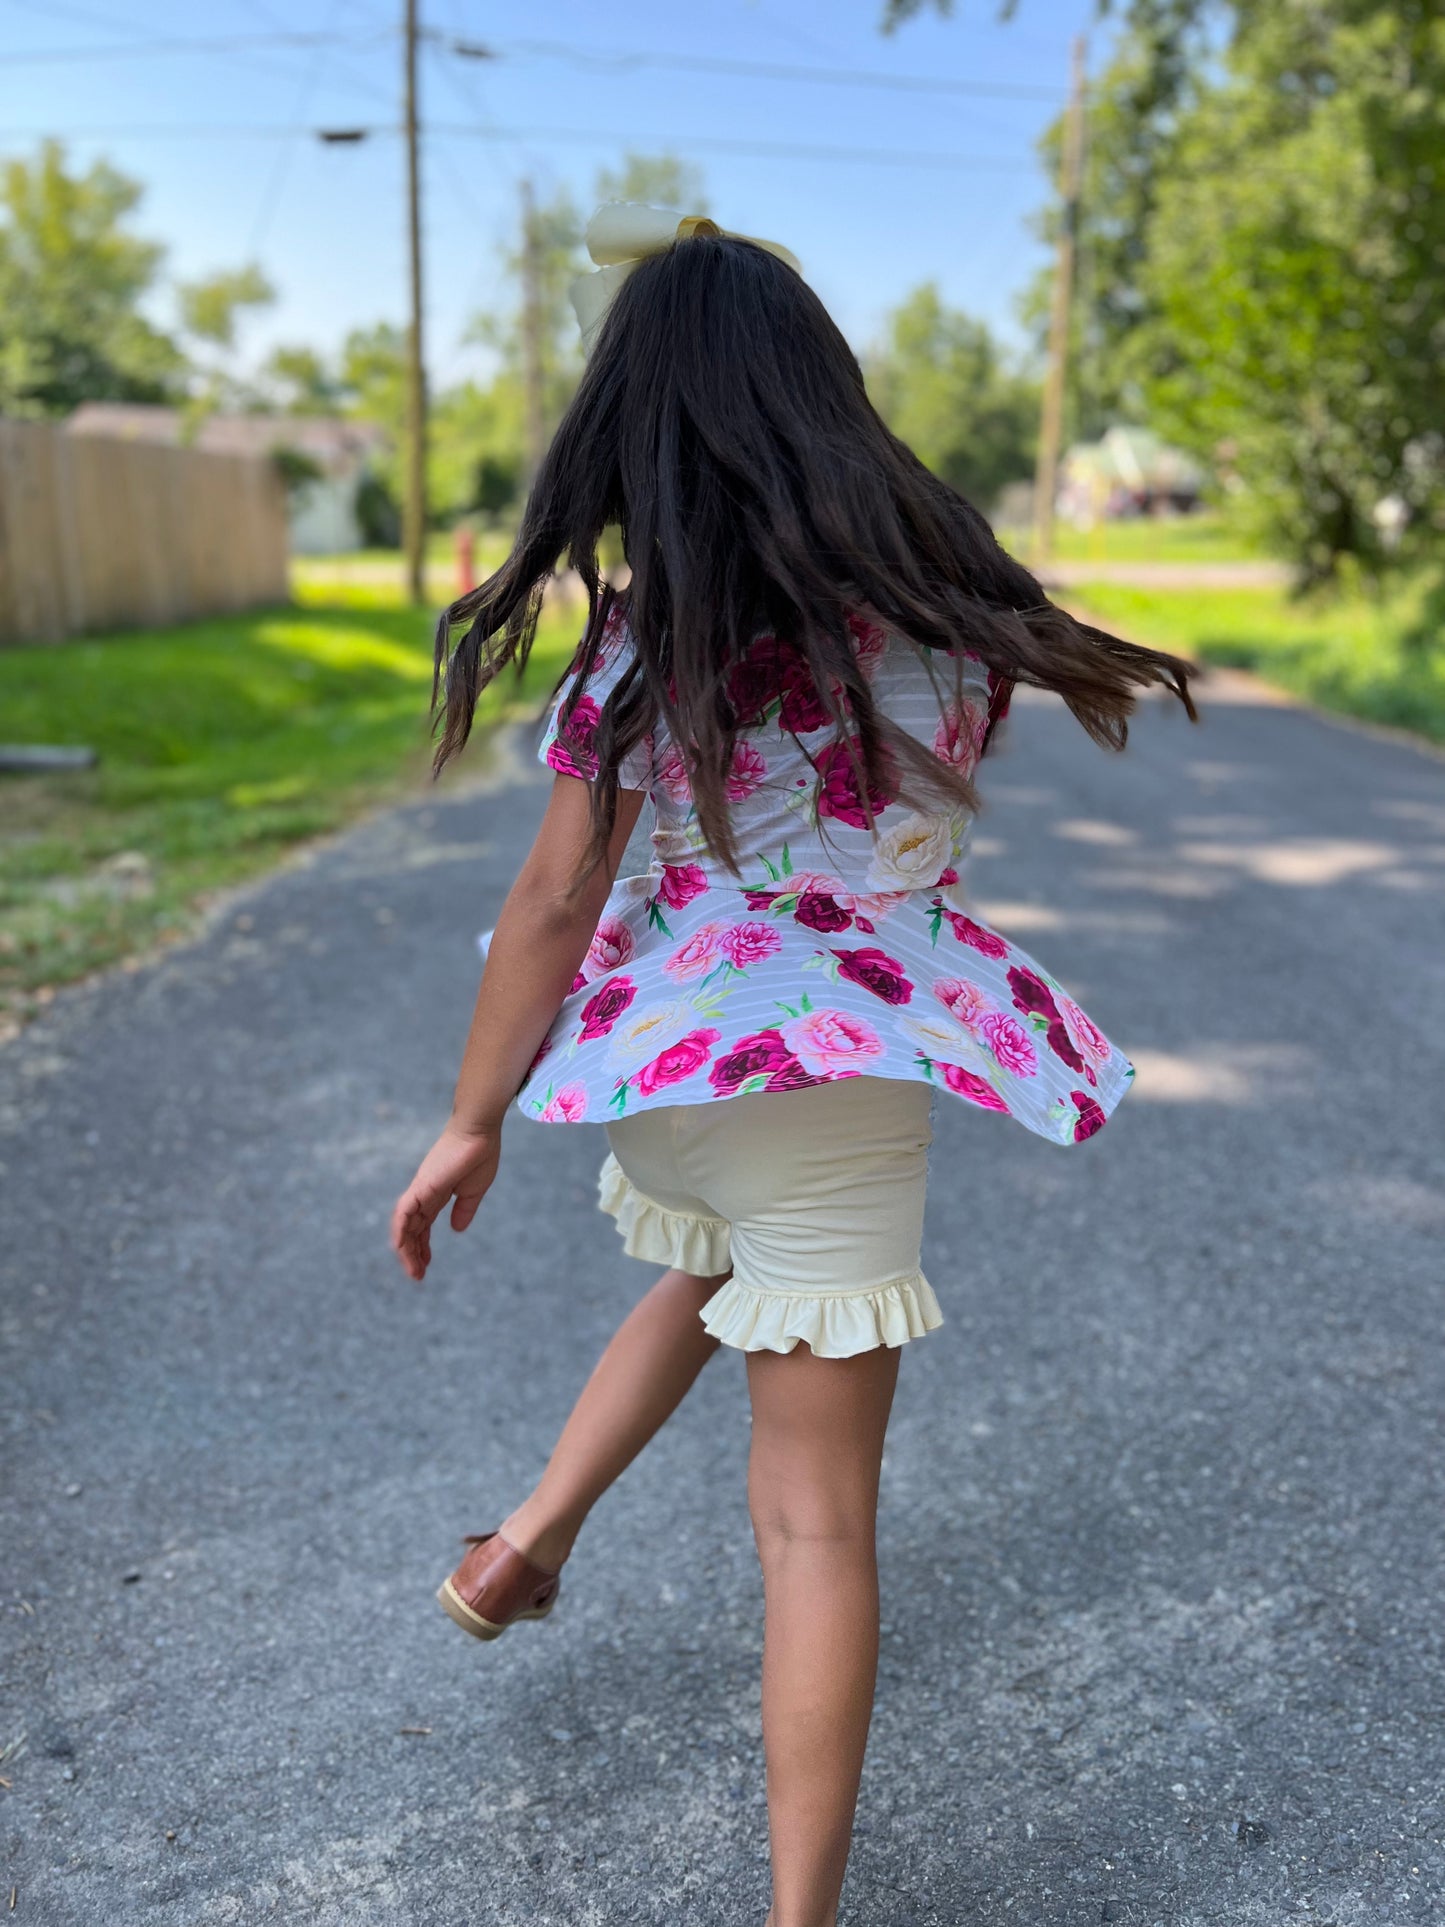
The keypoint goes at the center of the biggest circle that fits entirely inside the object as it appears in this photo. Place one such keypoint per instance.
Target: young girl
(815, 646)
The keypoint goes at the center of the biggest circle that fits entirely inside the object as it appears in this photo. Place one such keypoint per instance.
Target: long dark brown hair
(723, 425)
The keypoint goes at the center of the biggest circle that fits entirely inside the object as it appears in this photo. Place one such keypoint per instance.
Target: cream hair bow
(622, 233)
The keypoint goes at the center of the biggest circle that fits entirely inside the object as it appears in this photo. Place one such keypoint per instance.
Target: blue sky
(326, 223)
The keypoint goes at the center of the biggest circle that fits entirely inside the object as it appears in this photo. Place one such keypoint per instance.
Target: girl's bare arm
(536, 950)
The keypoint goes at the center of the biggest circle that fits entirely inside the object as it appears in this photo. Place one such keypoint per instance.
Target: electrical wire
(623, 61)
(563, 137)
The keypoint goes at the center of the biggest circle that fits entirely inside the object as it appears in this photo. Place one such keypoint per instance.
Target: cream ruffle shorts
(813, 1199)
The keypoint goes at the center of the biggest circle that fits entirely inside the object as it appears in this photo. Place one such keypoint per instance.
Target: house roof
(336, 445)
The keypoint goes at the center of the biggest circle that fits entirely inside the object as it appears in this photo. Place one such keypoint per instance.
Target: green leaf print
(773, 872)
(618, 1100)
(656, 918)
(787, 862)
(935, 920)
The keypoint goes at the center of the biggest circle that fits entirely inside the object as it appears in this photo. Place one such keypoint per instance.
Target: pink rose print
(774, 672)
(697, 956)
(577, 983)
(610, 948)
(542, 1050)
(568, 1106)
(1010, 1044)
(681, 882)
(603, 1008)
(572, 753)
(869, 643)
(963, 1001)
(764, 1054)
(831, 1043)
(1088, 1040)
(747, 772)
(1091, 1116)
(1033, 996)
(877, 903)
(839, 794)
(881, 974)
(959, 735)
(749, 943)
(987, 942)
(672, 775)
(976, 1089)
(818, 912)
(680, 1060)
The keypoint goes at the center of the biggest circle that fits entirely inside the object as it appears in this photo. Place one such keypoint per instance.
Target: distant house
(322, 511)
(1128, 471)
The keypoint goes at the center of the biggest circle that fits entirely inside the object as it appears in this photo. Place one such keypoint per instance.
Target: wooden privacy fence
(100, 534)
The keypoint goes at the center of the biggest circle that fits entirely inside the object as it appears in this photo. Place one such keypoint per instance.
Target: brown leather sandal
(495, 1585)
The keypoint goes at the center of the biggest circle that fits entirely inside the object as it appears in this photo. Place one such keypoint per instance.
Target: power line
(616, 61)
(561, 137)
(762, 70)
(210, 44)
(281, 168)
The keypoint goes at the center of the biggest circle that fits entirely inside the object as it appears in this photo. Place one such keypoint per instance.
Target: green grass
(1203, 538)
(1379, 658)
(221, 744)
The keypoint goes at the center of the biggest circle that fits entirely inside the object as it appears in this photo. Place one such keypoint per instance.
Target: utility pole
(414, 502)
(1051, 419)
(535, 418)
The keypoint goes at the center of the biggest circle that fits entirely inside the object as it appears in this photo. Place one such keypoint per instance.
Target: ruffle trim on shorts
(702, 1246)
(832, 1324)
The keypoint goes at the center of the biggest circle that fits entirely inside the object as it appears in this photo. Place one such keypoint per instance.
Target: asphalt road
(1164, 1499)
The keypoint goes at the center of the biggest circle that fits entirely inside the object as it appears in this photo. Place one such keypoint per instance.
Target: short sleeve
(573, 753)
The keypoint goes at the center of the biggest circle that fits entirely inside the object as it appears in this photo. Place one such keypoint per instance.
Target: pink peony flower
(763, 1054)
(1033, 996)
(747, 772)
(1010, 1044)
(959, 735)
(963, 1001)
(749, 943)
(611, 947)
(572, 753)
(567, 1106)
(680, 1060)
(774, 672)
(988, 943)
(1088, 1040)
(818, 912)
(840, 794)
(831, 1042)
(604, 1007)
(976, 1089)
(869, 643)
(672, 775)
(1091, 1116)
(681, 882)
(875, 971)
(698, 955)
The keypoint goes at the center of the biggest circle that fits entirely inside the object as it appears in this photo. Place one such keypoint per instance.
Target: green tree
(297, 381)
(657, 180)
(72, 280)
(211, 308)
(1295, 277)
(210, 312)
(943, 385)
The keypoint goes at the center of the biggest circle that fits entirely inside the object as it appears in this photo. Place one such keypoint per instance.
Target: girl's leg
(639, 1381)
(818, 1426)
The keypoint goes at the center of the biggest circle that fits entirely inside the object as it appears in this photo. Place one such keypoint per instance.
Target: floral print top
(840, 952)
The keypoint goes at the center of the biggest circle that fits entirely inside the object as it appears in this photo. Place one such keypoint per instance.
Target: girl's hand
(460, 1165)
